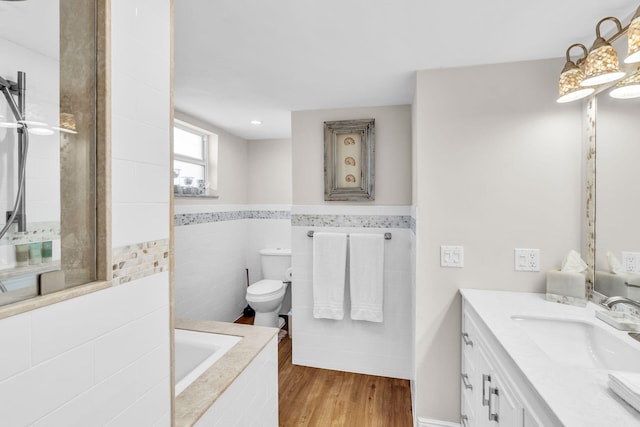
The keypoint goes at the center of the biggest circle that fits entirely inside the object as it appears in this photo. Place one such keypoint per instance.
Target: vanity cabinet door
(470, 381)
(504, 409)
(487, 399)
(476, 376)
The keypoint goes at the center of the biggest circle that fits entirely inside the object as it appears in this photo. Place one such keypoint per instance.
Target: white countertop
(578, 396)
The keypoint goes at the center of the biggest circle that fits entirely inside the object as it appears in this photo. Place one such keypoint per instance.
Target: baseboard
(426, 422)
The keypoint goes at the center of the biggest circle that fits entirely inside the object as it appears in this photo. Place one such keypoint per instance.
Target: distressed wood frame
(333, 190)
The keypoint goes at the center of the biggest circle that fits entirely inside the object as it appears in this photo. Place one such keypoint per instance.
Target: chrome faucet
(611, 301)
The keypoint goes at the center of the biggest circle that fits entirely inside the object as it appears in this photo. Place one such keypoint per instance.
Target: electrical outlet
(631, 261)
(527, 259)
(452, 256)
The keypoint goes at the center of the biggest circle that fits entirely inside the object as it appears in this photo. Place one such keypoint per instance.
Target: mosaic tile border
(590, 194)
(207, 217)
(36, 232)
(412, 225)
(133, 262)
(365, 221)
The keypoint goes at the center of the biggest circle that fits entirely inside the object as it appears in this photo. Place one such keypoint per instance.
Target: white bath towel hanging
(329, 274)
(366, 265)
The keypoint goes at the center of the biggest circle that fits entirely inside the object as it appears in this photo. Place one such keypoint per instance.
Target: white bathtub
(195, 352)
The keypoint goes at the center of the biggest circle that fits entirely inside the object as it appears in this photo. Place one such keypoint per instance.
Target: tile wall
(384, 349)
(94, 359)
(103, 358)
(214, 245)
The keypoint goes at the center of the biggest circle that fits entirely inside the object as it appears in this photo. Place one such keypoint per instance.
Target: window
(192, 160)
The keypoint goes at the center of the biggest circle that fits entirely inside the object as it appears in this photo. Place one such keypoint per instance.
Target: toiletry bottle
(35, 253)
(47, 251)
(22, 255)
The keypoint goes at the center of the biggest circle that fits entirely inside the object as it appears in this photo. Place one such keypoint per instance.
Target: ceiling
(240, 60)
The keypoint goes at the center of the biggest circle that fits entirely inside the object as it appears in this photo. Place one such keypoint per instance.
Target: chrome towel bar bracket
(387, 236)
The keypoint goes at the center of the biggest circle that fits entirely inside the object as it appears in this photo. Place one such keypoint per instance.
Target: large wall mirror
(617, 130)
(618, 197)
(48, 76)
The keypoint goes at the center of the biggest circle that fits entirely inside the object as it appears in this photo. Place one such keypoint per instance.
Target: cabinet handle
(493, 414)
(465, 338)
(464, 420)
(486, 380)
(465, 381)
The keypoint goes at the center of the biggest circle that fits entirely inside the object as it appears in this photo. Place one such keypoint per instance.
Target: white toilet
(266, 295)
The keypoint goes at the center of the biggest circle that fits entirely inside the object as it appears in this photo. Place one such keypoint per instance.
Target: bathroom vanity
(529, 362)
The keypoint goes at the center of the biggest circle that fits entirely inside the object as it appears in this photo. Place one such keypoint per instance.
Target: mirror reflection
(47, 145)
(617, 200)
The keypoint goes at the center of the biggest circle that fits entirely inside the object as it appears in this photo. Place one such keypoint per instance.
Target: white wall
(269, 170)
(383, 349)
(211, 257)
(499, 167)
(103, 358)
(233, 173)
(392, 153)
(357, 346)
(100, 358)
(210, 262)
(266, 233)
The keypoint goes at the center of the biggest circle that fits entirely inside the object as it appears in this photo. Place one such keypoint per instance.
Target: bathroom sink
(579, 343)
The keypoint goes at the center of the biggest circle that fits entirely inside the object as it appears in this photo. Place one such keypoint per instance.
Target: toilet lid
(265, 287)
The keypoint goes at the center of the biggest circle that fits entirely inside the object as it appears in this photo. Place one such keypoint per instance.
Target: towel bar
(387, 236)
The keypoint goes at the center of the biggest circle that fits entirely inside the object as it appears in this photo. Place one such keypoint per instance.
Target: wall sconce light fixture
(601, 66)
(633, 37)
(627, 88)
(569, 88)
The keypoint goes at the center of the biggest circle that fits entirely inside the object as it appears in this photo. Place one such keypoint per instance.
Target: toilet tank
(275, 262)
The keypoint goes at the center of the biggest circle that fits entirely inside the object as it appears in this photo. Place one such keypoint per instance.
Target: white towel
(366, 255)
(329, 273)
(627, 386)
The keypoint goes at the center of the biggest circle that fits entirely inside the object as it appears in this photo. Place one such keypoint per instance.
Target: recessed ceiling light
(256, 122)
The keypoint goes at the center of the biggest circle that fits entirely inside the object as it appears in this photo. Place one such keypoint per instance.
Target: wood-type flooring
(311, 397)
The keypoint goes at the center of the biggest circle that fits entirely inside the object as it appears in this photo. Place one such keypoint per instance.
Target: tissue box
(566, 287)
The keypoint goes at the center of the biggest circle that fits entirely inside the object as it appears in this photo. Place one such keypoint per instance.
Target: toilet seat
(265, 287)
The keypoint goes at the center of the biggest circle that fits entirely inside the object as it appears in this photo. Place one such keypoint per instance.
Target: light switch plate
(452, 256)
(527, 259)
